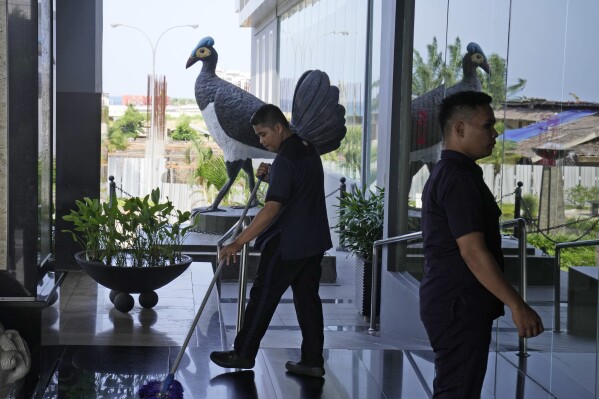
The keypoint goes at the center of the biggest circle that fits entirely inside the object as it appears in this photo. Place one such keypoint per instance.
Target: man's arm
(482, 264)
(261, 221)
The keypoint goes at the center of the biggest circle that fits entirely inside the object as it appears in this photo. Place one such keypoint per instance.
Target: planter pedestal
(364, 285)
(124, 281)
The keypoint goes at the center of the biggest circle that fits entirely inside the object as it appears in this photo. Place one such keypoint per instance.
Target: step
(230, 273)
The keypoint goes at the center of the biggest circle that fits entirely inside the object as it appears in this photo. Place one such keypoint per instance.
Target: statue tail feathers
(316, 114)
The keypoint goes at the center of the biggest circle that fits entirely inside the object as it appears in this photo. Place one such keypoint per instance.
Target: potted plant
(360, 223)
(134, 247)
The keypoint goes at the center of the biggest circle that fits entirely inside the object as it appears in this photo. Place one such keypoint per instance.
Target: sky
(555, 60)
(127, 53)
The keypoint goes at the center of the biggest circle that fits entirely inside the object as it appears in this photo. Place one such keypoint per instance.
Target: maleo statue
(427, 138)
(316, 116)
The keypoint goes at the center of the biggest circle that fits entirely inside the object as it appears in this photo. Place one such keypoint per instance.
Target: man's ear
(279, 127)
(459, 127)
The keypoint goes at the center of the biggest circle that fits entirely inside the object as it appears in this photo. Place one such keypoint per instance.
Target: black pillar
(19, 280)
(22, 64)
(78, 113)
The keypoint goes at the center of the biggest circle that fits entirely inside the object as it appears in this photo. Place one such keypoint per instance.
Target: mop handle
(213, 281)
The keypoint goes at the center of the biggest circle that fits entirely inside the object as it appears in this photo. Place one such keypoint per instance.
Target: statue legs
(249, 171)
(233, 169)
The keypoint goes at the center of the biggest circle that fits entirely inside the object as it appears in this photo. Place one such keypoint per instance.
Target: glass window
(546, 100)
(328, 35)
(373, 86)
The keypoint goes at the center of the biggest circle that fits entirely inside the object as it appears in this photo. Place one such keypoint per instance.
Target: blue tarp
(544, 125)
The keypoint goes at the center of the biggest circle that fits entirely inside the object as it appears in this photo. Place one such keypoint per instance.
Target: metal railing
(520, 223)
(375, 270)
(557, 278)
(242, 271)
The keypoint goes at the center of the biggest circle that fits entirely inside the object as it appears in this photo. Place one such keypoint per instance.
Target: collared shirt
(297, 182)
(456, 201)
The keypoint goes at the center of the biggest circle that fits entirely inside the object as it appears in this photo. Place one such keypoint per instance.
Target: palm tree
(210, 172)
(427, 76)
(435, 72)
(430, 75)
(495, 84)
(453, 69)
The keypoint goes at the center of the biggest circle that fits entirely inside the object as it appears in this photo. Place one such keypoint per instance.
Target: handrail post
(557, 290)
(518, 202)
(111, 192)
(242, 282)
(374, 292)
(342, 191)
(522, 345)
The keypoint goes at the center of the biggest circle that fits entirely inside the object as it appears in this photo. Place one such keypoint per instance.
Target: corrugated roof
(556, 121)
(576, 135)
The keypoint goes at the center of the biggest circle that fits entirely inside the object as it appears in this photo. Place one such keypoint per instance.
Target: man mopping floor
(292, 233)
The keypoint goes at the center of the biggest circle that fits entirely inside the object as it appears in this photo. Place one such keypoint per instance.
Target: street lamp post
(153, 47)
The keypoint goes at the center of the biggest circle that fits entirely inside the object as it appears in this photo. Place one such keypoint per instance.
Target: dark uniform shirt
(456, 201)
(297, 182)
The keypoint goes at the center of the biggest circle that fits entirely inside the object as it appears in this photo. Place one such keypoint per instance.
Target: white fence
(129, 175)
(506, 181)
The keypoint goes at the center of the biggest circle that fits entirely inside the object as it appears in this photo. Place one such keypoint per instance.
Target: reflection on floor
(98, 352)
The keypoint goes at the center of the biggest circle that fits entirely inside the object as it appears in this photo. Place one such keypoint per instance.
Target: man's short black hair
(269, 115)
(460, 102)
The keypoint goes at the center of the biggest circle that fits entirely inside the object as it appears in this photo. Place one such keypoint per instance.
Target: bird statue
(316, 116)
(15, 357)
(427, 138)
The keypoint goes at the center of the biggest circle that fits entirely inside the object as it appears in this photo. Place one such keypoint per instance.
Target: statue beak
(190, 62)
(486, 67)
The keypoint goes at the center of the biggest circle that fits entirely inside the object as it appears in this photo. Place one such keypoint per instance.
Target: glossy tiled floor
(99, 352)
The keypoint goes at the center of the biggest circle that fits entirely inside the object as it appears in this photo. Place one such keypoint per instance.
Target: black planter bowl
(124, 281)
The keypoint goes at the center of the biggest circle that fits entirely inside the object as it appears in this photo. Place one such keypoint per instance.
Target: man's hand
(527, 321)
(484, 267)
(263, 171)
(229, 250)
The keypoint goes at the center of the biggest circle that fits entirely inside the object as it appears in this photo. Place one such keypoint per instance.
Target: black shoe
(230, 360)
(299, 368)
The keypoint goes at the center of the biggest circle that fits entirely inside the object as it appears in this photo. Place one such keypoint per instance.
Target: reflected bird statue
(316, 116)
(427, 138)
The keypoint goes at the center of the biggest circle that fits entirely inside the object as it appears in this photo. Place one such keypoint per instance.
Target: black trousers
(273, 277)
(460, 340)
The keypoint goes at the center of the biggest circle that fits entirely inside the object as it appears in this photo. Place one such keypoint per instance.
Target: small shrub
(143, 232)
(184, 131)
(530, 207)
(360, 220)
(577, 256)
(579, 195)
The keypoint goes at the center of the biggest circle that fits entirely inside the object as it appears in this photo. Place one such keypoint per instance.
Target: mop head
(153, 389)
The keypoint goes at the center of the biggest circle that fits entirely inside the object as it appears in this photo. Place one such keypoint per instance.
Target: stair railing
(374, 291)
(245, 252)
(520, 231)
